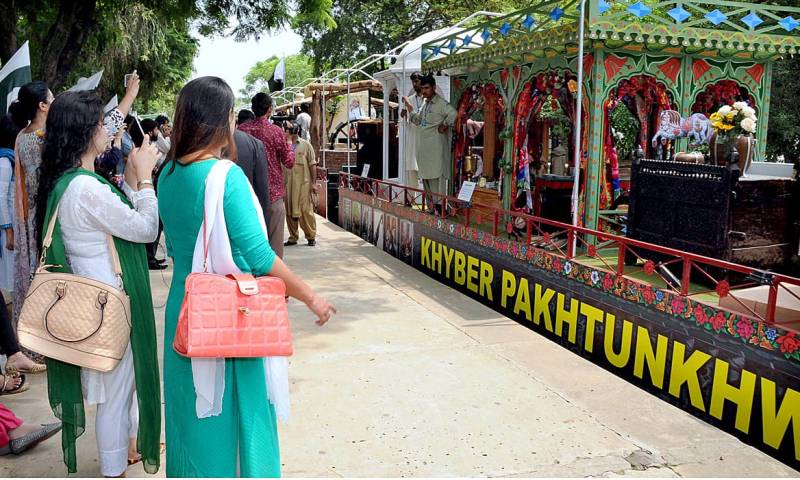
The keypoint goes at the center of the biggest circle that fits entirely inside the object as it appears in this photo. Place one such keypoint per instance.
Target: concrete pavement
(414, 379)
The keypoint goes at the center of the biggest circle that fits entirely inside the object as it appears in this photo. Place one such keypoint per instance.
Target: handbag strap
(225, 166)
(48, 240)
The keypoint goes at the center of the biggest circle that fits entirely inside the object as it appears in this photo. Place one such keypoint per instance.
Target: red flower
(789, 343)
(678, 305)
(648, 294)
(531, 253)
(723, 288)
(592, 250)
(700, 315)
(718, 321)
(649, 267)
(608, 282)
(474, 234)
(745, 328)
(509, 227)
(557, 265)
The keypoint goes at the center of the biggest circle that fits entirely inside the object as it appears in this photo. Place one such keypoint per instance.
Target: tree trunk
(8, 30)
(65, 39)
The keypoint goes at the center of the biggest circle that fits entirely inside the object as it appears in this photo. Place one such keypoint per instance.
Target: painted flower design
(745, 328)
(452, 228)
(718, 321)
(659, 295)
(557, 264)
(531, 253)
(648, 295)
(771, 334)
(567, 268)
(678, 305)
(595, 278)
(700, 315)
(789, 343)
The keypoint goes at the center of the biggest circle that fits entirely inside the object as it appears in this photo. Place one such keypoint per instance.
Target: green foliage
(625, 129)
(298, 68)
(375, 26)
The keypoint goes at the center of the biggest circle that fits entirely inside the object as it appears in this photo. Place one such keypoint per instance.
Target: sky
(230, 60)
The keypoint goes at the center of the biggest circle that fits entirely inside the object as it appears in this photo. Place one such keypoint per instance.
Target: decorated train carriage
(652, 75)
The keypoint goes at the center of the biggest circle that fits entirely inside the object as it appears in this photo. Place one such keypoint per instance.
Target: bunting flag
(278, 77)
(87, 83)
(15, 73)
(113, 103)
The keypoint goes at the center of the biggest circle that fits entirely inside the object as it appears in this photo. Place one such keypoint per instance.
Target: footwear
(23, 385)
(289, 243)
(19, 445)
(36, 368)
(156, 266)
(161, 260)
(311, 243)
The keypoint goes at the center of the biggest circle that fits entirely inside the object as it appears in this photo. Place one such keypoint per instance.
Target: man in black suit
(251, 157)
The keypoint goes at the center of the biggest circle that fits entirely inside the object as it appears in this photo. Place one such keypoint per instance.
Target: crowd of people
(110, 175)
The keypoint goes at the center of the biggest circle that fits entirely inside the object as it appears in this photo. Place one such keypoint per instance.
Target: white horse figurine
(697, 127)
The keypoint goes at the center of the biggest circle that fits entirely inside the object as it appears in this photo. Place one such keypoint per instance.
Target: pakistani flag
(15, 73)
(87, 83)
(278, 77)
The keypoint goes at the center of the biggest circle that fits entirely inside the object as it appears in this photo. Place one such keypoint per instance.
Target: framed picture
(377, 228)
(366, 223)
(344, 213)
(390, 238)
(356, 218)
(406, 241)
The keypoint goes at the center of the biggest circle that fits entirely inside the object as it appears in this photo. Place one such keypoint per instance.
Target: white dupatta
(209, 373)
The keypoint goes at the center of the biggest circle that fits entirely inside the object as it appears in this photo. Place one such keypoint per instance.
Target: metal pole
(348, 122)
(578, 125)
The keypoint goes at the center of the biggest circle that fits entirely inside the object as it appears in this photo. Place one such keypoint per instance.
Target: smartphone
(127, 77)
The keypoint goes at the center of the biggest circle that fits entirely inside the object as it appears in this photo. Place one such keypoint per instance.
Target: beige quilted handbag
(75, 319)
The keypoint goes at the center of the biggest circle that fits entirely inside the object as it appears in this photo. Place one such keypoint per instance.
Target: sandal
(23, 385)
(19, 445)
(36, 368)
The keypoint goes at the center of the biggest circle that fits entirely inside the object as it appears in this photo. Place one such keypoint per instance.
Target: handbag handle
(61, 292)
(48, 240)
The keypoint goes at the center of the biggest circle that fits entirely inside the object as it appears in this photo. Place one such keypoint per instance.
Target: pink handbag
(233, 316)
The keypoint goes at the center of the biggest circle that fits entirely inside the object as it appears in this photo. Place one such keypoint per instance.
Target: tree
(63, 33)
(298, 68)
(364, 28)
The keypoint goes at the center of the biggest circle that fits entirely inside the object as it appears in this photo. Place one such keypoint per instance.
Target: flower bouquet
(734, 126)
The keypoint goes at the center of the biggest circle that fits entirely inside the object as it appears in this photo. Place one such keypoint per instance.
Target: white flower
(748, 125)
(740, 105)
(725, 110)
(749, 112)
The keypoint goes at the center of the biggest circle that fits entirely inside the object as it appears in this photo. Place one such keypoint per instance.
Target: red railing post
(496, 222)
(686, 277)
(528, 230)
(570, 244)
(466, 216)
(621, 259)
(772, 301)
(443, 213)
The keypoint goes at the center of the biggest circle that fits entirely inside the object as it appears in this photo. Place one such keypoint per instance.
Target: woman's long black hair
(71, 125)
(202, 119)
(23, 109)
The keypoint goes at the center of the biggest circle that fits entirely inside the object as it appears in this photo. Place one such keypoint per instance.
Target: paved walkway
(414, 379)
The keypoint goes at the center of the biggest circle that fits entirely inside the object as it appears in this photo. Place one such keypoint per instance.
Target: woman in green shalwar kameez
(242, 440)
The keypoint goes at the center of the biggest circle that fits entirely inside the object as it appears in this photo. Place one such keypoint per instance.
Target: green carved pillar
(685, 95)
(594, 156)
(763, 114)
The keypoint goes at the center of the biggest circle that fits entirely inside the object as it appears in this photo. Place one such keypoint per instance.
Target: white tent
(398, 76)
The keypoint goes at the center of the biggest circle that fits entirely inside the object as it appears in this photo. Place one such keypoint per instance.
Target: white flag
(280, 71)
(87, 83)
(113, 103)
(15, 73)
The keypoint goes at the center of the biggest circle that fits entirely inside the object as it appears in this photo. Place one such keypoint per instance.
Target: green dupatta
(64, 380)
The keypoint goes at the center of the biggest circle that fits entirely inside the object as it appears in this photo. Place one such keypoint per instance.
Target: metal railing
(674, 269)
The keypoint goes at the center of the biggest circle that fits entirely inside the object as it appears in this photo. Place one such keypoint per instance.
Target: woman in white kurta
(6, 220)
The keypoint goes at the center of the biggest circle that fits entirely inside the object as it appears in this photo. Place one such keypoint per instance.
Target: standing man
(304, 122)
(278, 153)
(300, 183)
(250, 156)
(410, 146)
(434, 119)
